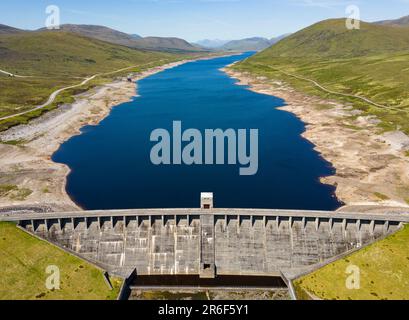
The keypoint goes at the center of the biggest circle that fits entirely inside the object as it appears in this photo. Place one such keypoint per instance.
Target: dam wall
(208, 242)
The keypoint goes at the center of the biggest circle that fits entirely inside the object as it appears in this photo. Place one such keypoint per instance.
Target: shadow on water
(221, 281)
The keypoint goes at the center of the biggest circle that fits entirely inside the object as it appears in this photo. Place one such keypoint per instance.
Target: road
(57, 92)
(331, 91)
(14, 75)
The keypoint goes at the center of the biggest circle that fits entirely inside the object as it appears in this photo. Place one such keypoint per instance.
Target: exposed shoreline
(381, 170)
(34, 180)
(372, 169)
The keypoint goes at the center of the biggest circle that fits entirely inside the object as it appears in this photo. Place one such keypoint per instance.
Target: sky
(197, 19)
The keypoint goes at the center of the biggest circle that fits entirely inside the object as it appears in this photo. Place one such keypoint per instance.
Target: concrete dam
(208, 241)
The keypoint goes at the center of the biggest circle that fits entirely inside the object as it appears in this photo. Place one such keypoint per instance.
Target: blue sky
(197, 19)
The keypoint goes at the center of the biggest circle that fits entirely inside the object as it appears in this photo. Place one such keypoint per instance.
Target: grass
(371, 62)
(14, 192)
(23, 262)
(59, 59)
(381, 196)
(5, 189)
(21, 194)
(378, 78)
(384, 273)
(14, 142)
(331, 38)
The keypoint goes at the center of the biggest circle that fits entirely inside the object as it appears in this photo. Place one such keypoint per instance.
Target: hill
(50, 53)
(366, 62)
(212, 44)
(9, 30)
(249, 44)
(54, 60)
(101, 33)
(404, 21)
(129, 40)
(175, 45)
(330, 38)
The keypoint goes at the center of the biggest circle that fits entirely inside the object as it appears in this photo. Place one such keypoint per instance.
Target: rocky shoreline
(372, 168)
(29, 179)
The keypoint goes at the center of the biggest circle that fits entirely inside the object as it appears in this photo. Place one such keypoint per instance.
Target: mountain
(57, 60)
(330, 38)
(175, 45)
(100, 33)
(249, 44)
(279, 38)
(212, 44)
(404, 21)
(129, 40)
(65, 53)
(9, 30)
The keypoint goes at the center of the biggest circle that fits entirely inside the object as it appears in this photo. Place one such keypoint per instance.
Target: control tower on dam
(209, 242)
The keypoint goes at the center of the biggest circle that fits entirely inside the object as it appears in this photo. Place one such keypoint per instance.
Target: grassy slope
(370, 62)
(59, 59)
(24, 259)
(384, 268)
(331, 38)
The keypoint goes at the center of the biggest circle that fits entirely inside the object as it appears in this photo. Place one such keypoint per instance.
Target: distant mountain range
(112, 36)
(212, 44)
(404, 21)
(248, 44)
(324, 38)
(7, 29)
(131, 40)
(331, 39)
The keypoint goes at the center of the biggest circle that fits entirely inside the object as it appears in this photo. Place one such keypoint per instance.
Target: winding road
(14, 75)
(54, 95)
(331, 91)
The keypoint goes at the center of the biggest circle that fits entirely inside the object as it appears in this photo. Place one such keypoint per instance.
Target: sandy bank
(372, 169)
(28, 176)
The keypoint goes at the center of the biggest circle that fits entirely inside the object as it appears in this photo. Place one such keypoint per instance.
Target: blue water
(111, 167)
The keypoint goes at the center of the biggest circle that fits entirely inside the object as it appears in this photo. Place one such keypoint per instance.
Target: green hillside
(162, 44)
(50, 53)
(384, 273)
(331, 38)
(24, 260)
(53, 60)
(368, 62)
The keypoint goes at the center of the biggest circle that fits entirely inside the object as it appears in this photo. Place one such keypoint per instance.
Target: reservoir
(111, 166)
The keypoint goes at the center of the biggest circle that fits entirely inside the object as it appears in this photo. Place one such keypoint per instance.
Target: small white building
(206, 200)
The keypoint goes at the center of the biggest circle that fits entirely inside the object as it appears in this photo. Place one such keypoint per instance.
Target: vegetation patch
(381, 196)
(21, 194)
(14, 142)
(383, 268)
(24, 260)
(5, 189)
(55, 60)
(374, 75)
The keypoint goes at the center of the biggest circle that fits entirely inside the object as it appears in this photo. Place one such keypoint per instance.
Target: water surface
(111, 167)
